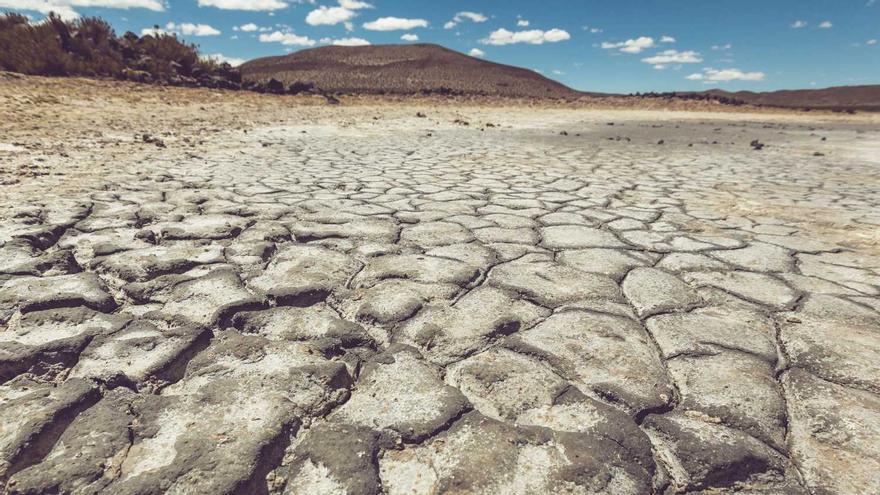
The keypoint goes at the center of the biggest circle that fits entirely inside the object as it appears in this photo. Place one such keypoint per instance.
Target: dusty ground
(274, 294)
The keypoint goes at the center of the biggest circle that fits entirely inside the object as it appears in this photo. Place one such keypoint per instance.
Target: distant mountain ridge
(835, 98)
(403, 69)
(838, 98)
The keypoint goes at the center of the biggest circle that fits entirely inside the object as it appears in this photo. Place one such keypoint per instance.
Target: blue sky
(596, 45)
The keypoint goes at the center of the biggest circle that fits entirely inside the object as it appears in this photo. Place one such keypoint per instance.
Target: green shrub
(89, 47)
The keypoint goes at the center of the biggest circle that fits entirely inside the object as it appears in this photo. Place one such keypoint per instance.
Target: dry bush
(90, 47)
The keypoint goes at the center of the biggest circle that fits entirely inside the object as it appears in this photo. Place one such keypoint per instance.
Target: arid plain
(219, 292)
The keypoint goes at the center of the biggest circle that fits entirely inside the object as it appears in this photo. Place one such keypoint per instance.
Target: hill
(836, 98)
(402, 69)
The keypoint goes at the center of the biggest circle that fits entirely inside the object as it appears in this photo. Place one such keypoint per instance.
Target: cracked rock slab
(297, 275)
(756, 287)
(610, 355)
(703, 455)
(207, 301)
(33, 415)
(713, 329)
(834, 434)
(63, 291)
(482, 455)
(399, 391)
(552, 285)
(735, 389)
(335, 458)
(653, 291)
(835, 351)
(474, 321)
(229, 417)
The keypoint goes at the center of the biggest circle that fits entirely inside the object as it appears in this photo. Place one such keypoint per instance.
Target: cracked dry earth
(362, 309)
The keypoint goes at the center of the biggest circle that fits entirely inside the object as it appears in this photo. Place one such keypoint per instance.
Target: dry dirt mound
(402, 69)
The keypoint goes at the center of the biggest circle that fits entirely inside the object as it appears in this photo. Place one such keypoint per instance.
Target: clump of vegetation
(89, 47)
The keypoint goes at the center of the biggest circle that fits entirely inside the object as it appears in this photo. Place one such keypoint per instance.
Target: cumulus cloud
(662, 59)
(345, 41)
(395, 24)
(330, 16)
(533, 37)
(251, 27)
(522, 23)
(153, 31)
(826, 25)
(252, 5)
(476, 52)
(66, 8)
(410, 37)
(190, 29)
(637, 45)
(724, 75)
(287, 39)
(667, 39)
(465, 16)
(220, 58)
(871, 42)
(798, 24)
(593, 30)
(727, 46)
(353, 4)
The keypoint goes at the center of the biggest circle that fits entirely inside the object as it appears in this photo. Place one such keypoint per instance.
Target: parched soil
(219, 292)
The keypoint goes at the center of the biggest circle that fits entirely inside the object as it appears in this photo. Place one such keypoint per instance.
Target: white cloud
(871, 42)
(287, 39)
(667, 39)
(220, 58)
(345, 41)
(799, 24)
(637, 45)
(329, 16)
(353, 4)
(395, 24)
(473, 16)
(250, 27)
(66, 8)
(476, 52)
(465, 16)
(558, 72)
(673, 57)
(153, 31)
(252, 5)
(728, 46)
(534, 37)
(826, 25)
(410, 37)
(725, 75)
(190, 29)
(593, 30)
(522, 23)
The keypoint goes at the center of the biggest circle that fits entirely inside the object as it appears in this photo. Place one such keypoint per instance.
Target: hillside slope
(402, 69)
(836, 98)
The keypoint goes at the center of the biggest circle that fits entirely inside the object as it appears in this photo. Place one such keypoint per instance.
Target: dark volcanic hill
(402, 69)
(837, 98)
